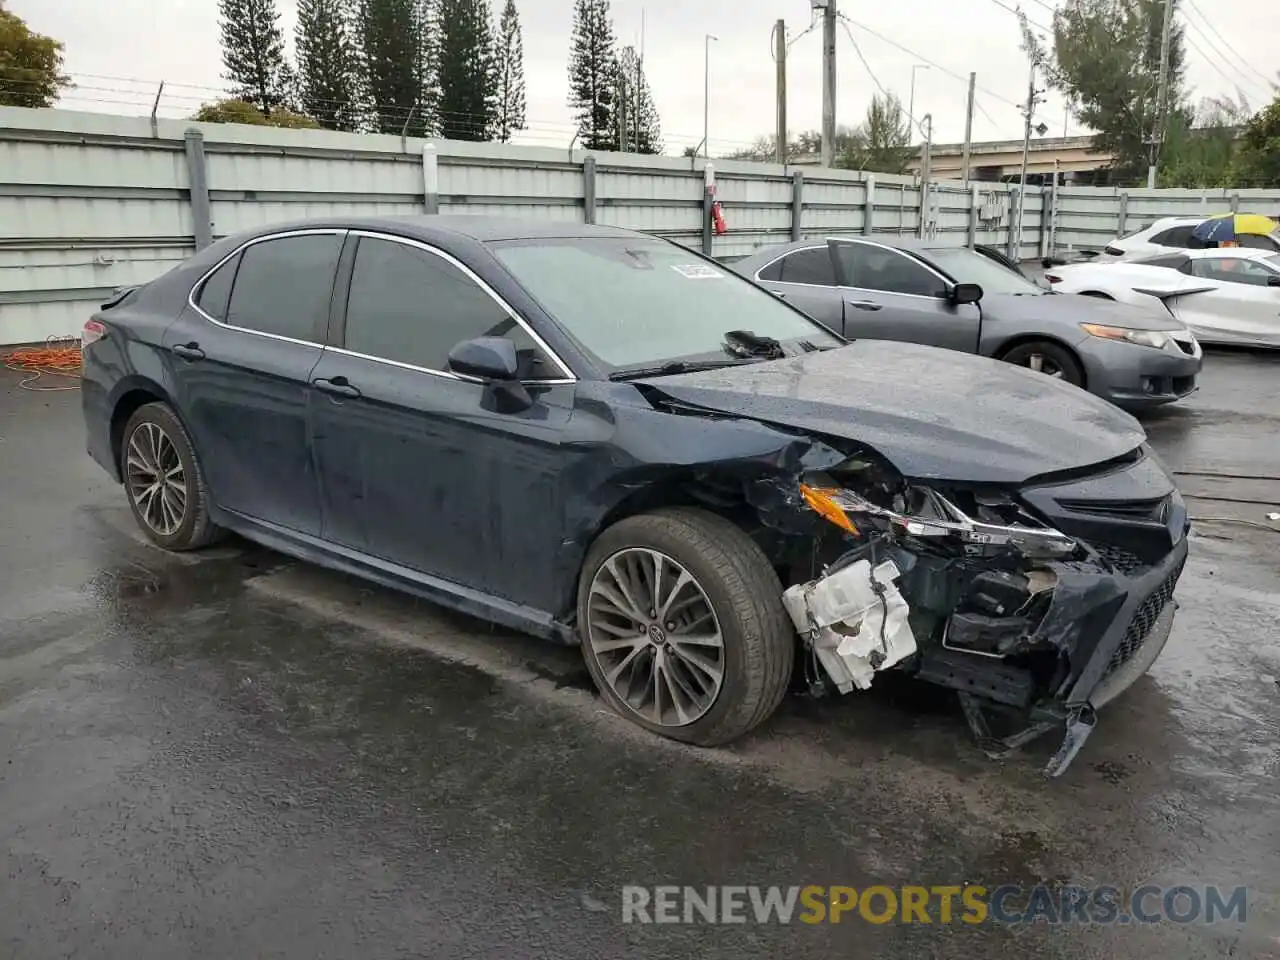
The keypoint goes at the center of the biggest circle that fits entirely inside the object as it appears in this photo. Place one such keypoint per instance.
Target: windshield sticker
(697, 271)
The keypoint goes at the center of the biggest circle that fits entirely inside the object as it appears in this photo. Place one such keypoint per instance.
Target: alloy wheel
(1042, 364)
(655, 637)
(156, 480)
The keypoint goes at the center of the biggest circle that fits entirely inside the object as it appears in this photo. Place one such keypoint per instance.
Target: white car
(1225, 296)
(1173, 233)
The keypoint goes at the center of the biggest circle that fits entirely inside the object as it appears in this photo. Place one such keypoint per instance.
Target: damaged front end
(1034, 623)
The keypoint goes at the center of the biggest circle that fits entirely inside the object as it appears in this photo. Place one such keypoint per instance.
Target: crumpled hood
(1066, 311)
(935, 414)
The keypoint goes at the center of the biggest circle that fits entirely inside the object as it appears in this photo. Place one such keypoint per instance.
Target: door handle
(865, 305)
(188, 351)
(338, 387)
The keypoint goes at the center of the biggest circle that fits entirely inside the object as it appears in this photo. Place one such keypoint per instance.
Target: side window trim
(783, 256)
(946, 284)
(199, 284)
(345, 284)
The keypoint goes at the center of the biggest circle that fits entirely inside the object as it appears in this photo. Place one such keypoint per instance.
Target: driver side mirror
(963, 293)
(1273, 281)
(494, 361)
(488, 358)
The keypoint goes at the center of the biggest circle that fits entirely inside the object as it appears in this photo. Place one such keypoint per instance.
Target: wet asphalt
(238, 755)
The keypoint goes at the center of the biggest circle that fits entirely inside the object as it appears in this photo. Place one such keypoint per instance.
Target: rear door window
(1233, 271)
(1255, 242)
(1174, 237)
(412, 306)
(283, 286)
(812, 266)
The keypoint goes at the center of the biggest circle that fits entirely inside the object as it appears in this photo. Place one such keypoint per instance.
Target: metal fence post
(1014, 247)
(198, 178)
(708, 198)
(975, 206)
(431, 178)
(869, 206)
(1123, 216)
(1053, 218)
(797, 205)
(589, 190)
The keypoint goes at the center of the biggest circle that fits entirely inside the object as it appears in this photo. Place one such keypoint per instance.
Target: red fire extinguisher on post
(718, 224)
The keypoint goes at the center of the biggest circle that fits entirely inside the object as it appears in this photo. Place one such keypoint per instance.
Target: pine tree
(396, 60)
(593, 75)
(466, 69)
(328, 75)
(509, 108)
(643, 132)
(253, 53)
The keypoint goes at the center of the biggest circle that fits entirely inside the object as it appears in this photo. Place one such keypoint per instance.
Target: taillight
(1053, 278)
(94, 330)
(1114, 251)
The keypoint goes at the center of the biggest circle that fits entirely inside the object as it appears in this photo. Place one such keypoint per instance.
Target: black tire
(1052, 355)
(759, 641)
(196, 529)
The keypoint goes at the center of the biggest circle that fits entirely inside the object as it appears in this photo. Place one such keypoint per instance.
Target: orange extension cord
(59, 357)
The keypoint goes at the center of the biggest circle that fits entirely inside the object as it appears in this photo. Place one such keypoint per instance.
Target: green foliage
(466, 69)
(1105, 59)
(593, 75)
(397, 48)
(509, 105)
(1258, 162)
(882, 144)
(1199, 148)
(328, 68)
(643, 128)
(253, 52)
(30, 64)
(242, 111)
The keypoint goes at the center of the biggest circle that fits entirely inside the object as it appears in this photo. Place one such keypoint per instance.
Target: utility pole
(911, 102)
(780, 56)
(706, 95)
(622, 113)
(968, 128)
(1026, 151)
(1157, 135)
(828, 81)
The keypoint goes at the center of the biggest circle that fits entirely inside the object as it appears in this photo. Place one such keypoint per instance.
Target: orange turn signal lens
(822, 503)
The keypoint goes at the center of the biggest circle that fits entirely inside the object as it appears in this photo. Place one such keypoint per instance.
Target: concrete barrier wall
(91, 202)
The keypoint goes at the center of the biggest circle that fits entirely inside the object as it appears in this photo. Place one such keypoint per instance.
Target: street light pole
(911, 108)
(706, 97)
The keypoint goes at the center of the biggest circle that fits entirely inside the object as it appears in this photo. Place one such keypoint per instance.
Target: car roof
(479, 228)
(768, 254)
(1230, 253)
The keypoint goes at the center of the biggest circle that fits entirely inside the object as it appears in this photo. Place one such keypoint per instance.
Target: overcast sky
(118, 52)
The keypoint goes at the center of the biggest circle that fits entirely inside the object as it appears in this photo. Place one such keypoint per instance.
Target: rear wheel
(163, 480)
(1051, 359)
(682, 626)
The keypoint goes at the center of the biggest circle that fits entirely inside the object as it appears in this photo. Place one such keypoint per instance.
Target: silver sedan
(952, 297)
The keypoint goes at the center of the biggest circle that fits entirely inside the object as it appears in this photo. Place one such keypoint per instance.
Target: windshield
(636, 300)
(966, 266)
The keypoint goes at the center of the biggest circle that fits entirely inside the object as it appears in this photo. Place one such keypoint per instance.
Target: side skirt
(474, 603)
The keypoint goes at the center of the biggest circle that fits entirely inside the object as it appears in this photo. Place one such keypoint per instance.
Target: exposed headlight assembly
(1159, 339)
(944, 520)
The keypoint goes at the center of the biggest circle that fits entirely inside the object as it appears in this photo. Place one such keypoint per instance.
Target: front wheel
(163, 479)
(682, 626)
(1051, 359)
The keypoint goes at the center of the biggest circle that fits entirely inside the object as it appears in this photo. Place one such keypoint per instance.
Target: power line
(941, 69)
(1219, 54)
(1020, 15)
(1208, 59)
(1209, 23)
(858, 50)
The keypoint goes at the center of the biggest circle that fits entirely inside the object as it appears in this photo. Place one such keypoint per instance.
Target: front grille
(1143, 620)
(1120, 560)
(1146, 509)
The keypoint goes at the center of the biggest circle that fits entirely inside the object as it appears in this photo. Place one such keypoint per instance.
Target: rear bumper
(96, 405)
(1135, 377)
